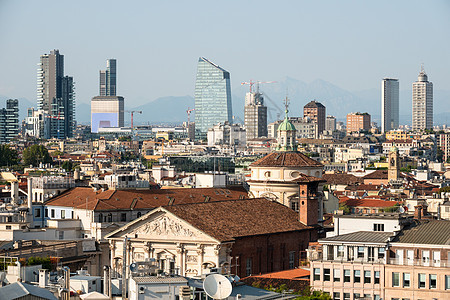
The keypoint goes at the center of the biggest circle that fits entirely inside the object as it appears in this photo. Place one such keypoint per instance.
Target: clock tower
(394, 164)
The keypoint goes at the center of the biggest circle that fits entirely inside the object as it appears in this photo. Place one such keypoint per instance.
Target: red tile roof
(343, 179)
(228, 220)
(369, 203)
(286, 159)
(83, 197)
(287, 274)
(378, 174)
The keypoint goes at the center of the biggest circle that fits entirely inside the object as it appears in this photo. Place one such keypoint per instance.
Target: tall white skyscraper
(422, 101)
(389, 104)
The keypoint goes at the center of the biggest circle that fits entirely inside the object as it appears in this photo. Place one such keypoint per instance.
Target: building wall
(269, 253)
(331, 286)
(357, 122)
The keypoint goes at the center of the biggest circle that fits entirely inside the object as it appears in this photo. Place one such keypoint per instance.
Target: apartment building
(402, 258)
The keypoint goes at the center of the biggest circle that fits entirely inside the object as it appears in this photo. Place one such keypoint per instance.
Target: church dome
(286, 125)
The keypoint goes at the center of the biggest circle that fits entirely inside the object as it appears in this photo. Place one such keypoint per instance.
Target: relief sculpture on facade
(164, 226)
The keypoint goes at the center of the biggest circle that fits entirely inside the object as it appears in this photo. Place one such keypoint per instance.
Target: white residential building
(422, 101)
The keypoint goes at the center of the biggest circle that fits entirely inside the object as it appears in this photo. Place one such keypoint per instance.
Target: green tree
(67, 165)
(36, 154)
(8, 156)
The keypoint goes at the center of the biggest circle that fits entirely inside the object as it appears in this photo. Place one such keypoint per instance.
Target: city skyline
(170, 71)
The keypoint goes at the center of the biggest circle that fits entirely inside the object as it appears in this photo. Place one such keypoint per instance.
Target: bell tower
(394, 164)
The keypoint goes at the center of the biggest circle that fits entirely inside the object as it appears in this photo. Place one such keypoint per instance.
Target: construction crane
(132, 112)
(251, 83)
(189, 111)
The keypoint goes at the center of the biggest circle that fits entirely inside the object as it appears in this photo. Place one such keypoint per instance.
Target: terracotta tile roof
(286, 159)
(363, 187)
(369, 203)
(343, 179)
(84, 197)
(228, 220)
(378, 174)
(287, 274)
(303, 178)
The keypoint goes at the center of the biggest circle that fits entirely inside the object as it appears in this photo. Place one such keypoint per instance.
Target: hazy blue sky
(353, 44)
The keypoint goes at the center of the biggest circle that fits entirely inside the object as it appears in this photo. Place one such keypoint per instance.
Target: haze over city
(350, 44)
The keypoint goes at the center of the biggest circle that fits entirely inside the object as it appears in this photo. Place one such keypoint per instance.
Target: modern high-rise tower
(9, 120)
(255, 116)
(212, 96)
(422, 101)
(108, 77)
(56, 96)
(389, 104)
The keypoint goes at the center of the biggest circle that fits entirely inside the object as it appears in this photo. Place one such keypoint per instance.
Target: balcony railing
(318, 256)
(419, 262)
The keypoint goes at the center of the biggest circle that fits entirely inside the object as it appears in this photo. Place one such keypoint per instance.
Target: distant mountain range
(337, 101)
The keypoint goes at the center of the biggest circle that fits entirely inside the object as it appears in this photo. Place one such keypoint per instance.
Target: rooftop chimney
(418, 212)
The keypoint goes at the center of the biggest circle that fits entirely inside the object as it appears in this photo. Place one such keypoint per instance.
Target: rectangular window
(381, 253)
(360, 252)
(378, 227)
(326, 274)
(346, 275)
(371, 252)
(367, 276)
(376, 277)
(422, 278)
(340, 251)
(337, 275)
(433, 281)
(123, 217)
(447, 282)
(357, 276)
(63, 214)
(376, 297)
(316, 274)
(336, 296)
(426, 257)
(46, 213)
(356, 296)
(8, 227)
(346, 296)
(53, 213)
(37, 212)
(249, 266)
(395, 279)
(406, 280)
(291, 259)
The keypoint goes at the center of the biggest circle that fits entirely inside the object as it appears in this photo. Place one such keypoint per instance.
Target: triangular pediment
(161, 225)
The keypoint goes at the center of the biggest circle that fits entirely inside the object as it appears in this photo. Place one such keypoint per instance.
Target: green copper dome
(286, 125)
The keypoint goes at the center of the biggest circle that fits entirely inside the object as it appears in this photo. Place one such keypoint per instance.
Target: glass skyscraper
(212, 96)
(56, 96)
(108, 79)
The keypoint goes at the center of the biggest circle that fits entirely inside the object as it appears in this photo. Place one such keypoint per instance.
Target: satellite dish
(133, 267)
(217, 286)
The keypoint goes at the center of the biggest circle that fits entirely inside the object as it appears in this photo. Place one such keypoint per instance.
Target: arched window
(100, 217)
(110, 217)
(139, 214)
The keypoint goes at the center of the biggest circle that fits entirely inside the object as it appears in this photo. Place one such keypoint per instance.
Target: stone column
(148, 249)
(180, 258)
(200, 251)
